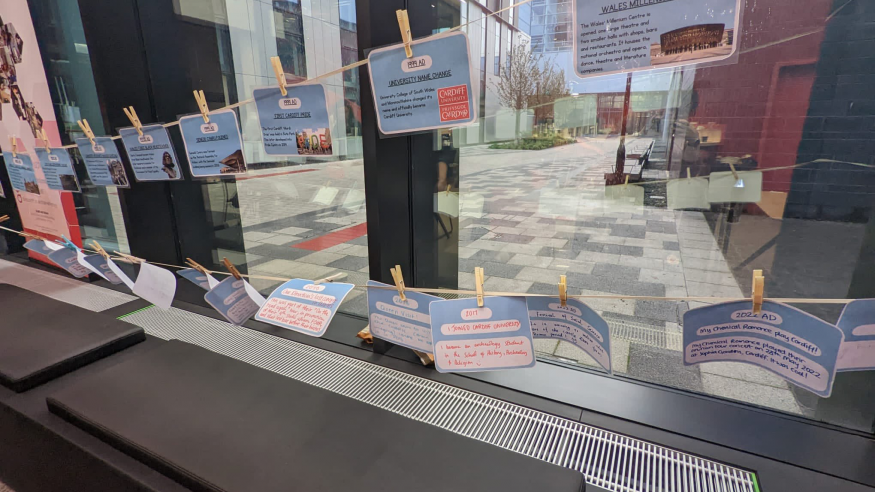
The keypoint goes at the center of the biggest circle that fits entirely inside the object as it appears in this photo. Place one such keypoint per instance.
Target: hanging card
(294, 124)
(103, 162)
(303, 306)
(151, 154)
(231, 299)
(406, 323)
(214, 148)
(687, 193)
(574, 323)
(120, 274)
(21, 175)
(68, 260)
(98, 265)
(155, 285)
(58, 169)
(203, 280)
(724, 188)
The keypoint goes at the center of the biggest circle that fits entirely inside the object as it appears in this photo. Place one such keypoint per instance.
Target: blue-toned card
(151, 154)
(294, 124)
(857, 322)
(68, 260)
(471, 339)
(98, 265)
(214, 148)
(434, 89)
(404, 323)
(103, 162)
(303, 306)
(782, 339)
(232, 301)
(21, 175)
(202, 280)
(58, 169)
(575, 323)
(38, 246)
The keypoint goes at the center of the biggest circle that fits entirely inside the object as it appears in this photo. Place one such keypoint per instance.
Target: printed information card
(103, 162)
(303, 306)
(203, 280)
(468, 338)
(628, 35)
(151, 154)
(782, 339)
(214, 148)
(857, 322)
(575, 323)
(431, 90)
(294, 124)
(406, 323)
(98, 265)
(58, 169)
(69, 260)
(231, 299)
(38, 246)
(21, 175)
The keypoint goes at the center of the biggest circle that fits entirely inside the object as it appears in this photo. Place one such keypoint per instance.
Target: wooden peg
(330, 278)
(757, 292)
(626, 182)
(688, 174)
(478, 284)
(280, 75)
(449, 187)
(404, 25)
(129, 258)
(232, 269)
(734, 172)
(14, 143)
(4, 218)
(97, 247)
(132, 115)
(86, 129)
(399, 281)
(563, 290)
(42, 135)
(197, 266)
(202, 105)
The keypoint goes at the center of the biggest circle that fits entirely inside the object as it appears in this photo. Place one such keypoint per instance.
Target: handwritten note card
(203, 280)
(404, 323)
(782, 339)
(103, 162)
(575, 323)
(857, 322)
(155, 285)
(231, 299)
(468, 338)
(68, 260)
(303, 306)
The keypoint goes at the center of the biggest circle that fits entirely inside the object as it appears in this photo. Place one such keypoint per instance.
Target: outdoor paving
(527, 217)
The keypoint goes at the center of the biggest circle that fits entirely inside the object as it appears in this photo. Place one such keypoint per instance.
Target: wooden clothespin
(4, 218)
(128, 258)
(86, 129)
(232, 269)
(132, 115)
(45, 139)
(399, 281)
(330, 278)
(14, 143)
(280, 75)
(563, 290)
(478, 285)
(734, 172)
(757, 292)
(197, 266)
(404, 25)
(626, 183)
(97, 247)
(449, 187)
(27, 235)
(202, 104)
(688, 174)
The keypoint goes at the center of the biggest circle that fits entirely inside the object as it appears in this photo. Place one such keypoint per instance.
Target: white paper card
(254, 294)
(687, 193)
(155, 285)
(118, 271)
(724, 188)
(52, 246)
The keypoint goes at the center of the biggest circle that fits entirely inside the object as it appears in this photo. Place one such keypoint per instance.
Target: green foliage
(533, 143)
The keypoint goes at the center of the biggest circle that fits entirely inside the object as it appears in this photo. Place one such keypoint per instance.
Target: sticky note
(68, 260)
(406, 323)
(214, 148)
(151, 154)
(231, 299)
(155, 285)
(303, 306)
(687, 193)
(103, 162)
(791, 343)
(724, 188)
(857, 323)
(574, 323)
(21, 175)
(294, 124)
(203, 280)
(434, 89)
(468, 338)
(58, 170)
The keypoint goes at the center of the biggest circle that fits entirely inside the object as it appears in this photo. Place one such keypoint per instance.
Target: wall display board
(294, 124)
(402, 322)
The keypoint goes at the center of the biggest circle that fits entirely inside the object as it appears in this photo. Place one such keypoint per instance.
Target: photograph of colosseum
(692, 43)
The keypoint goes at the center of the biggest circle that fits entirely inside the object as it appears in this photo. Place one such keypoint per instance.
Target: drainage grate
(62, 288)
(608, 460)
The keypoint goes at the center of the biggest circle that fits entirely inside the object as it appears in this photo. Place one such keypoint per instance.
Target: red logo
(453, 102)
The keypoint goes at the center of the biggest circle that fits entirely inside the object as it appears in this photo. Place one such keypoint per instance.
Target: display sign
(574, 323)
(58, 169)
(203, 280)
(214, 148)
(687, 193)
(21, 175)
(791, 343)
(151, 154)
(627, 35)
(155, 285)
(406, 323)
(97, 264)
(433, 89)
(103, 162)
(231, 299)
(294, 124)
(857, 322)
(468, 338)
(725, 188)
(303, 306)
(68, 260)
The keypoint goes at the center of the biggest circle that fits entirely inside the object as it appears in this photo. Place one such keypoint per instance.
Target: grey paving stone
(350, 263)
(357, 305)
(757, 394)
(547, 289)
(610, 317)
(663, 367)
(279, 252)
(513, 238)
(550, 252)
(491, 268)
(661, 226)
(632, 251)
(636, 288)
(624, 230)
(587, 281)
(361, 241)
(671, 245)
(616, 271)
(671, 311)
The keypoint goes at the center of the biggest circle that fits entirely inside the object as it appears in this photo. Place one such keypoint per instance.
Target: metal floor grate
(608, 460)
